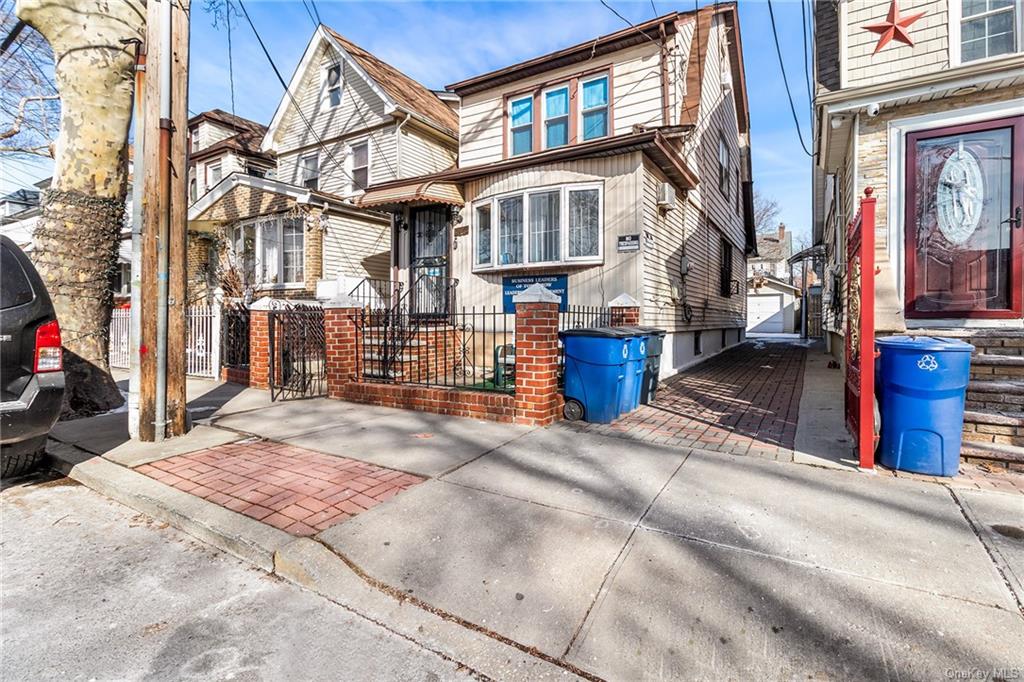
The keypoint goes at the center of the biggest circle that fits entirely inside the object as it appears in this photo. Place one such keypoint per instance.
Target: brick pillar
(341, 340)
(259, 348)
(625, 311)
(537, 401)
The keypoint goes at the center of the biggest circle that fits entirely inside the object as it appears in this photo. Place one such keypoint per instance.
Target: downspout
(135, 309)
(665, 109)
(395, 237)
(164, 157)
(398, 143)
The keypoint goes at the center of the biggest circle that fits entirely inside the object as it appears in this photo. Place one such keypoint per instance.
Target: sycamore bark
(83, 212)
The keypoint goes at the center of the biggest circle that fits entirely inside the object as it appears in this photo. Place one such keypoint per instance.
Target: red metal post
(866, 423)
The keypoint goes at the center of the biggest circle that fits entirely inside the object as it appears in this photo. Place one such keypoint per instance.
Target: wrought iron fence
(377, 293)
(234, 335)
(298, 353)
(120, 321)
(579, 317)
(466, 349)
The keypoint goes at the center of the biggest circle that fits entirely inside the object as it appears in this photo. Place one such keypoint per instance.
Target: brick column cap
(342, 301)
(623, 300)
(536, 293)
(268, 303)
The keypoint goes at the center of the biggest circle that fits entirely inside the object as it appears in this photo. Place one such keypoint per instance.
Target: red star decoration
(894, 26)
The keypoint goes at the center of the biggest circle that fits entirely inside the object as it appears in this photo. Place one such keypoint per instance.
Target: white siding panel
(422, 154)
(356, 247)
(896, 61)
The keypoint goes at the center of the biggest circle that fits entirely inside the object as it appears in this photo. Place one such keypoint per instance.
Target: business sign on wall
(559, 284)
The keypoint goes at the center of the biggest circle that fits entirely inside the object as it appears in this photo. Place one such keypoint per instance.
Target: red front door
(964, 238)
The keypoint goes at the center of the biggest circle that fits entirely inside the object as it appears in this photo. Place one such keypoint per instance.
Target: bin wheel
(573, 410)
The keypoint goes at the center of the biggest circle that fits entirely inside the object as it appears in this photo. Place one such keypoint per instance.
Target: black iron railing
(377, 294)
(466, 349)
(234, 335)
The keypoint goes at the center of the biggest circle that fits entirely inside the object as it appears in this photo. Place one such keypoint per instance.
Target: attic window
(334, 85)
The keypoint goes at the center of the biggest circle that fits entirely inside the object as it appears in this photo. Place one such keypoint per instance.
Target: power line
(231, 67)
(310, 13)
(785, 81)
(316, 11)
(616, 13)
(805, 26)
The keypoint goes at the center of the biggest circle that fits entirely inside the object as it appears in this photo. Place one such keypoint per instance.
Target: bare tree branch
(20, 116)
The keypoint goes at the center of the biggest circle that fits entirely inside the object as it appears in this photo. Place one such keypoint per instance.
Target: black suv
(31, 364)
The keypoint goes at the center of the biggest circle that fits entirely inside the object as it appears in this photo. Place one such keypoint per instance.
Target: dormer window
(594, 107)
(333, 85)
(556, 117)
(520, 114)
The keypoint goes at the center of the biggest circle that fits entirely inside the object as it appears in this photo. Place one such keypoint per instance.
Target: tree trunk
(83, 212)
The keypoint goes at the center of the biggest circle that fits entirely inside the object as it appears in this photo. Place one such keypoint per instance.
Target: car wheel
(18, 465)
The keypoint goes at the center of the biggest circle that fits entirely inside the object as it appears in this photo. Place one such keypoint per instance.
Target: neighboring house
(18, 201)
(617, 166)
(772, 305)
(931, 116)
(773, 254)
(347, 121)
(220, 144)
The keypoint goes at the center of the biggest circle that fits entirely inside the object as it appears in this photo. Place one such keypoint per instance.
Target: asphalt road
(92, 590)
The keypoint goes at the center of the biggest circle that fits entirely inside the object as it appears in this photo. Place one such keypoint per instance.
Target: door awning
(416, 191)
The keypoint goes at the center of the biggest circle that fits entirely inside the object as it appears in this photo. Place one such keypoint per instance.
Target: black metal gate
(298, 355)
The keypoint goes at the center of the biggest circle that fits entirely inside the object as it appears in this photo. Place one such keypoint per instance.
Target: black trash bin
(652, 366)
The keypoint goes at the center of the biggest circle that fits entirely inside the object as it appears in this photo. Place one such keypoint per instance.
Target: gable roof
(409, 94)
(395, 89)
(246, 140)
(226, 120)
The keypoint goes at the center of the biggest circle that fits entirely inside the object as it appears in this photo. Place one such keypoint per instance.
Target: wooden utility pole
(165, 127)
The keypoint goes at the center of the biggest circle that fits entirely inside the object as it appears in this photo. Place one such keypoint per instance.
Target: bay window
(270, 250)
(989, 28)
(556, 117)
(520, 118)
(594, 107)
(545, 226)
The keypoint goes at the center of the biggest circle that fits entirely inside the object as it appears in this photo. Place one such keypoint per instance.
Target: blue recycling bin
(636, 360)
(922, 382)
(595, 360)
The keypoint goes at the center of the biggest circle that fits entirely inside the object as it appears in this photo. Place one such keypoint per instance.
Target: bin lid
(637, 331)
(603, 332)
(924, 343)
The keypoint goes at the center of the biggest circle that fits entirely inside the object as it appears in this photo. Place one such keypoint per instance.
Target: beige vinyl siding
(360, 107)
(635, 97)
(210, 133)
(357, 247)
(336, 167)
(682, 43)
(591, 285)
(422, 154)
(671, 234)
(896, 61)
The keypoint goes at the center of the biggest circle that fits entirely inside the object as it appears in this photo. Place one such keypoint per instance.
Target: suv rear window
(15, 289)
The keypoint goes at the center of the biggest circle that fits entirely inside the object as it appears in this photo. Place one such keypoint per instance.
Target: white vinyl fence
(202, 352)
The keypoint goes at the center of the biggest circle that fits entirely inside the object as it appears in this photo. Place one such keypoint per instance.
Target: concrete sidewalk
(574, 553)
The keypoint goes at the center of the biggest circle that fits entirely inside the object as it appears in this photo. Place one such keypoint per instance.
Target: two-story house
(923, 101)
(220, 144)
(773, 253)
(347, 120)
(620, 165)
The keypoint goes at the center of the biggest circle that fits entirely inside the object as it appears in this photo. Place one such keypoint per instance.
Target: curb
(303, 562)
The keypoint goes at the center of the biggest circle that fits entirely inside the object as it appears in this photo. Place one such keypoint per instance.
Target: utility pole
(162, 410)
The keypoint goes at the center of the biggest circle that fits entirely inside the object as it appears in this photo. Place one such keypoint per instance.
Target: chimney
(782, 231)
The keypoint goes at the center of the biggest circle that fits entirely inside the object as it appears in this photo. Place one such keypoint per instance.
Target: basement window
(698, 343)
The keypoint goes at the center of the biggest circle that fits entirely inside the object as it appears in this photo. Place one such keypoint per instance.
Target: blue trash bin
(636, 360)
(922, 382)
(595, 360)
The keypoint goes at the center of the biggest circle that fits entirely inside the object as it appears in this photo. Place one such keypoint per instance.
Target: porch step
(1012, 387)
(371, 356)
(994, 418)
(994, 367)
(985, 341)
(995, 452)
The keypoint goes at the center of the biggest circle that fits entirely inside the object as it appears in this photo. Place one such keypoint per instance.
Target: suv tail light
(48, 352)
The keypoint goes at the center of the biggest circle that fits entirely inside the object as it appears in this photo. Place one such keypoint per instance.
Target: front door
(428, 274)
(964, 239)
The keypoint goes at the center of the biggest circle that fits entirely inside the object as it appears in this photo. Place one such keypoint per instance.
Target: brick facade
(625, 317)
(259, 348)
(537, 400)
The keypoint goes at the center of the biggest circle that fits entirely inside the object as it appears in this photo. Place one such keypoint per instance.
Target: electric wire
(785, 81)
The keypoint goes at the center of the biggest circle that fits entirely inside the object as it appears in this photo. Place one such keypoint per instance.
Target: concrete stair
(994, 411)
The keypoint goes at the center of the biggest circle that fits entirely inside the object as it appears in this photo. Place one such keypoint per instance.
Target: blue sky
(442, 42)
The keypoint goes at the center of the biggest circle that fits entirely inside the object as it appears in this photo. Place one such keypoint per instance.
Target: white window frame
(208, 171)
(258, 251)
(511, 128)
(302, 170)
(724, 166)
(607, 106)
(350, 166)
(544, 115)
(476, 236)
(193, 139)
(956, 24)
(563, 226)
(325, 95)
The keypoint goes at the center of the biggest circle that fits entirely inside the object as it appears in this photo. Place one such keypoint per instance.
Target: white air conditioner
(666, 196)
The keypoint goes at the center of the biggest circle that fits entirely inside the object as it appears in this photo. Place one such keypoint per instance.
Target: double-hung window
(213, 174)
(273, 248)
(520, 116)
(292, 250)
(310, 169)
(550, 225)
(360, 164)
(725, 267)
(556, 117)
(723, 166)
(594, 107)
(989, 28)
(333, 85)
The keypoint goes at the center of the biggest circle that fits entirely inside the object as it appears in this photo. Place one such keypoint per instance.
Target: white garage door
(764, 314)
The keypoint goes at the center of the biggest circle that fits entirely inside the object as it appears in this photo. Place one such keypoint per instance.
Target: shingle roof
(404, 90)
(223, 118)
(771, 248)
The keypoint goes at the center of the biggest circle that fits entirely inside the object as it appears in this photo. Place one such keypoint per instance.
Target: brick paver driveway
(743, 401)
